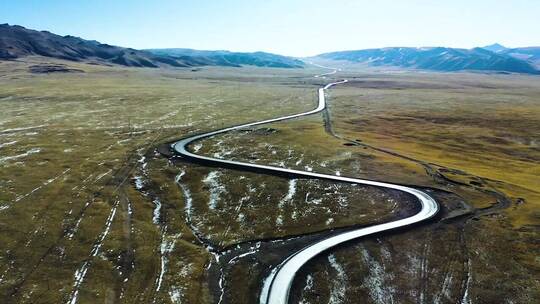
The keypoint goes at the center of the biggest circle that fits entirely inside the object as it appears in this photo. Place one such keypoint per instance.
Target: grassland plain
(478, 135)
(90, 211)
(77, 218)
(486, 234)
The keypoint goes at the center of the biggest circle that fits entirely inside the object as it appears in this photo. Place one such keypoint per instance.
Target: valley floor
(90, 211)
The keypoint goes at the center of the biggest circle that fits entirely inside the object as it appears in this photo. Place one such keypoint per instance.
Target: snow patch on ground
(339, 284)
(157, 211)
(445, 290)
(292, 190)
(253, 250)
(307, 288)
(139, 182)
(187, 195)
(29, 152)
(466, 296)
(102, 175)
(374, 282)
(286, 199)
(80, 273)
(309, 282)
(279, 220)
(45, 183)
(315, 201)
(290, 193)
(175, 294)
(222, 150)
(8, 144)
(215, 188)
(197, 147)
(72, 232)
(166, 247)
(21, 129)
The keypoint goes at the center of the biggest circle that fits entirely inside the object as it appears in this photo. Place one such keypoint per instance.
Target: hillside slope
(228, 58)
(17, 41)
(530, 54)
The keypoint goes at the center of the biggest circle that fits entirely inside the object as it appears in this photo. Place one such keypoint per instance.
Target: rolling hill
(439, 59)
(237, 59)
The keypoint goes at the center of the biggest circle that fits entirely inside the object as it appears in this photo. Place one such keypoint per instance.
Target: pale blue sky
(296, 28)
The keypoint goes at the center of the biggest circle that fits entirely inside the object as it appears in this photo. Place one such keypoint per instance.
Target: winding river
(276, 286)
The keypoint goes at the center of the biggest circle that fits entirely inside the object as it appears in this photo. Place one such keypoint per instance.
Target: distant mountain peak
(496, 48)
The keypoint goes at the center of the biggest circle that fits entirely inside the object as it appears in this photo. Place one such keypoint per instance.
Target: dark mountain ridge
(17, 41)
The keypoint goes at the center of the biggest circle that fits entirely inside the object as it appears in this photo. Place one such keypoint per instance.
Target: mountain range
(236, 59)
(491, 58)
(17, 41)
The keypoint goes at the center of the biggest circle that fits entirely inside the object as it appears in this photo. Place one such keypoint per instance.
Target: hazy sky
(296, 28)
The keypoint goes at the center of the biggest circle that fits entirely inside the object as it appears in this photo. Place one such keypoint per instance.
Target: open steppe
(91, 210)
